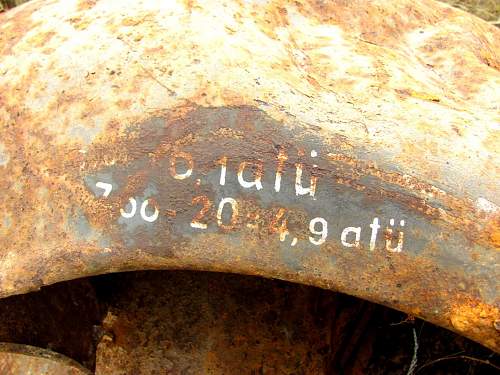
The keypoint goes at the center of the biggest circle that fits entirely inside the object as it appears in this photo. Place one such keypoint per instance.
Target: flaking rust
(305, 141)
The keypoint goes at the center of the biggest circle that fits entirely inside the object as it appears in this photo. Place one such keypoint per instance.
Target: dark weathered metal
(352, 147)
(18, 359)
(206, 323)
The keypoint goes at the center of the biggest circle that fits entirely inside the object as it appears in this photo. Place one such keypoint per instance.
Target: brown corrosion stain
(468, 81)
(80, 23)
(372, 20)
(470, 63)
(487, 43)
(84, 5)
(271, 16)
(41, 39)
(488, 55)
(190, 4)
(492, 231)
(460, 212)
(136, 20)
(492, 144)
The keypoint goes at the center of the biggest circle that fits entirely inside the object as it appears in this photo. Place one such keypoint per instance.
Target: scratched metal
(367, 111)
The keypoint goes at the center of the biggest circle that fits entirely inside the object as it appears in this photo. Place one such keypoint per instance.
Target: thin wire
(413, 363)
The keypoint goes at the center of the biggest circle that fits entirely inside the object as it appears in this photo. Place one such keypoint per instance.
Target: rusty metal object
(206, 323)
(179, 322)
(352, 147)
(24, 359)
(185, 322)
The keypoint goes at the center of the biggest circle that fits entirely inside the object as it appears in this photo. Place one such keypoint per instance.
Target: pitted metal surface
(348, 146)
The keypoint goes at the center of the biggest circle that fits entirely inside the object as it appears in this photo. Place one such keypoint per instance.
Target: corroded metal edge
(25, 359)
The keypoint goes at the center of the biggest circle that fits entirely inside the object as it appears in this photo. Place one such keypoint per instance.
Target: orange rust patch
(86, 4)
(490, 58)
(41, 39)
(80, 23)
(15, 31)
(270, 18)
(478, 320)
(419, 95)
(494, 233)
(190, 4)
(442, 56)
(132, 21)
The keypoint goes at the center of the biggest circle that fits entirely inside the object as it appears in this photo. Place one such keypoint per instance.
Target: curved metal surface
(352, 147)
(18, 359)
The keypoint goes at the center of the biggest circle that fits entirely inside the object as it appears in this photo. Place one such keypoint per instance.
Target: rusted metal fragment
(206, 323)
(18, 359)
(196, 323)
(305, 141)
(62, 317)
